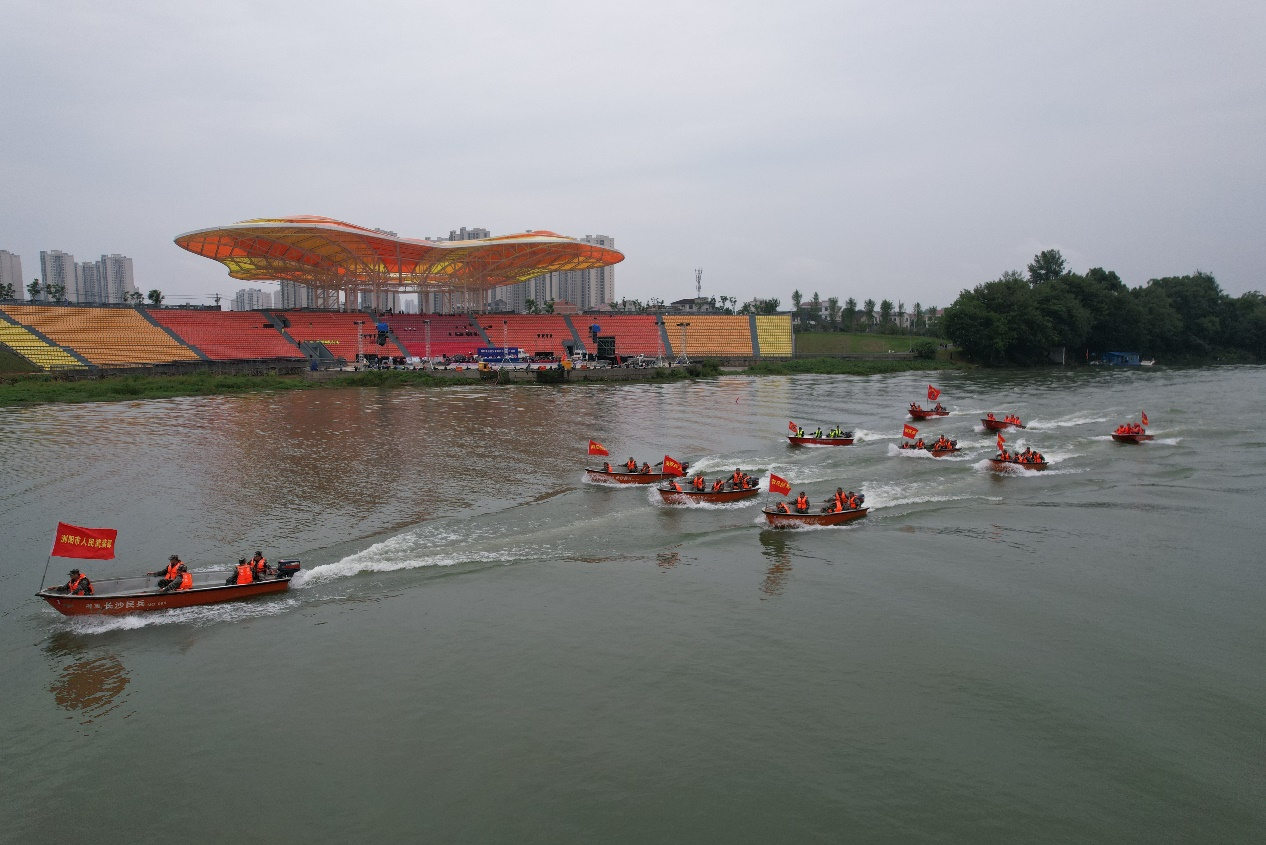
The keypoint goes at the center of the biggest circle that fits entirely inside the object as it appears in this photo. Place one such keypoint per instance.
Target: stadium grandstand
(54, 337)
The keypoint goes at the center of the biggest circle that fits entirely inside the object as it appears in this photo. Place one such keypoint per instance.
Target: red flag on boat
(91, 543)
(596, 448)
(1001, 440)
(672, 466)
(933, 393)
(778, 484)
(792, 427)
(1145, 418)
(909, 431)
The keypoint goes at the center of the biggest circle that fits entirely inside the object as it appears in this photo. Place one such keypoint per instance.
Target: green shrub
(924, 350)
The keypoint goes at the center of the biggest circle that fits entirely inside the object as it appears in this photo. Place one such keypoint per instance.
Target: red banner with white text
(778, 484)
(89, 543)
(910, 432)
(672, 466)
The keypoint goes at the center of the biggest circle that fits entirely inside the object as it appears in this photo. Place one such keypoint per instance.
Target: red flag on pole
(778, 484)
(909, 431)
(672, 466)
(933, 393)
(1145, 418)
(792, 427)
(596, 448)
(1001, 440)
(90, 543)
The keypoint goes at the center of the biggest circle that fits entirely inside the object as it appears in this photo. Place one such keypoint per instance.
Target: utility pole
(698, 282)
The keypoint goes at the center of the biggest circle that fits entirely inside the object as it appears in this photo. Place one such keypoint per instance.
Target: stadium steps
(33, 346)
(107, 337)
(144, 312)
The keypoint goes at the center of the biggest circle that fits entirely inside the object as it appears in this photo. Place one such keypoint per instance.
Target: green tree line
(1019, 319)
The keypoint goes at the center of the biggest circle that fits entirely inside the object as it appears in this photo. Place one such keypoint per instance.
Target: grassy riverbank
(20, 390)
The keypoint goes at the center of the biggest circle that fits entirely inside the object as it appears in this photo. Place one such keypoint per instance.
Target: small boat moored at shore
(113, 596)
(686, 497)
(793, 519)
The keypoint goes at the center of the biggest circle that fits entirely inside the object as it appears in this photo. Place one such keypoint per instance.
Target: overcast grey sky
(885, 149)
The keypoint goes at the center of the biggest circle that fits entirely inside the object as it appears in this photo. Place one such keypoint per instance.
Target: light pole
(685, 359)
(360, 342)
(427, 325)
(505, 340)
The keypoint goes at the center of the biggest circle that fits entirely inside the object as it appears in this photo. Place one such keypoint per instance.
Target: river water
(484, 648)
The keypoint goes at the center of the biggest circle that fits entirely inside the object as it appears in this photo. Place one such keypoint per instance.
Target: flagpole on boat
(47, 564)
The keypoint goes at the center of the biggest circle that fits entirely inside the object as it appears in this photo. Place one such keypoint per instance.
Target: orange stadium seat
(228, 335)
(635, 334)
(41, 354)
(108, 337)
(337, 330)
(451, 334)
(708, 335)
(532, 333)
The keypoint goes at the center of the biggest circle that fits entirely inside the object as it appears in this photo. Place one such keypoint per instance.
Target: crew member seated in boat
(718, 485)
(242, 573)
(737, 478)
(915, 406)
(918, 444)
(606, 466)
(259, 566)
(818, 433)
(630, 465)
(802, 503)
(77, 585)
(840, 499)
(782, 508)
(990, 416)
(675, 485)
(182, 581)
(800, 433)
(168, 573)
(646, 468)
(939, 408)
(698, 483)
(854, 501)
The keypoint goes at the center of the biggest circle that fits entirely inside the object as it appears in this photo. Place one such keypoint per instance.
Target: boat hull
(925, 415)
(140, 602)
(940, 453)
(687, 497)
(777, 519)
(820, 441)
(1000, 425)
(1133, 438)
(1005, 465)
(617, 477)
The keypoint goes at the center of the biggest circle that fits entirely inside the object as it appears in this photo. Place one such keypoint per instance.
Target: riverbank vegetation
(1020, 319)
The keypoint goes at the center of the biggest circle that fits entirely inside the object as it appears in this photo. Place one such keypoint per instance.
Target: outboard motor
(286, 569)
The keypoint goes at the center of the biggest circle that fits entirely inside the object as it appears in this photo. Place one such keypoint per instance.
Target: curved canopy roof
(325, 253)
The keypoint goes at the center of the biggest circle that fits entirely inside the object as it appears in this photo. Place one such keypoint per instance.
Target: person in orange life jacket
(699, 482)
(647, 467)
(242, 574)
(782, 508)
(630, 465)
(737, 478)
(990, 415)
(918, 444)
(182, 581)
(675, 485)
(840, 498)
(718, 486)
(606, 466)
(802, 503)
(259, 566)
(169, 573)
(78, 583)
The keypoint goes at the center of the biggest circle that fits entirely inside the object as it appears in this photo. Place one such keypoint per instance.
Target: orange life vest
(676, 486)
(186, 581)
(802, 502)
(782, 507)
(74, 583)
(244, 574)
(718, 485)
(260, 566)
(698, 482)
(173, 571)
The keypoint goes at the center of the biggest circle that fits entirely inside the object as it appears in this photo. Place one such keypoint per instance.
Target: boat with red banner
(943, 451)
(113, 596)
(1009, 463)
(1133, 432)
(919, 413)
(793, 519)
(794, 440)
(991, 423)
(620, 475)
(690, 496)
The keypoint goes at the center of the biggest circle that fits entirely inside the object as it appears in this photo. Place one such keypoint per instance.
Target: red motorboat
(819, 441)
(692, 496)
(1132, 438)
(778, 519)
(940, 453)
(1000, 425)
(113, 596)
(623, 476)
(923, 414)
(1000, 464)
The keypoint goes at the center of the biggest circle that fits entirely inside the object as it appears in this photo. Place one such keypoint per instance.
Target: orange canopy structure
(330, 255)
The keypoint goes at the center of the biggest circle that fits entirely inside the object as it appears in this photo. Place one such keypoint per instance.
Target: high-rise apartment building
(294, 295)
(89, 285)
(434, 302)
(117, 281)
(11, 273)
(585, 289)
(57, 271)
(250, 299)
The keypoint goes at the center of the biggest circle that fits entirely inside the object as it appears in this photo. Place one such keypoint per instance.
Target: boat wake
(1066, 422)
(894, 495)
